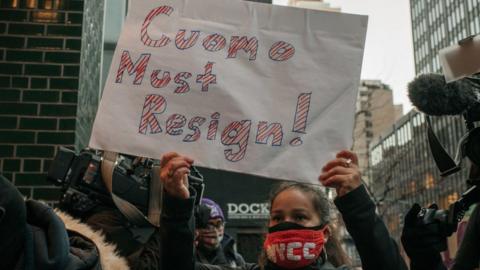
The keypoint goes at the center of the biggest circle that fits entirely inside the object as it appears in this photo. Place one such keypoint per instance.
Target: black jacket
(48, 245)
(252, 266)
(233, 257)
(34, 236)
(225, 254)
(468, 254)
(116, 229)
(55, 240)
(176, 220)
(377, 250)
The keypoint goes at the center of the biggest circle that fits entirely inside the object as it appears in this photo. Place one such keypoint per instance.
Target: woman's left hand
(342, 173)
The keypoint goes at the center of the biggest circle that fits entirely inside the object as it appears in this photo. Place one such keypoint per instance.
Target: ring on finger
(348, 163)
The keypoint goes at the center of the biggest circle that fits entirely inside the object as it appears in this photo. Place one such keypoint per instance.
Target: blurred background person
(214, 246)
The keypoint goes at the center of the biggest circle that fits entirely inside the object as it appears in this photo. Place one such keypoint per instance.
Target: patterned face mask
(291, 246)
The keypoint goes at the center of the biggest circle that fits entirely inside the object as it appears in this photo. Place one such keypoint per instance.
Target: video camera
(83, 187)
(448, 219)
(431, 94)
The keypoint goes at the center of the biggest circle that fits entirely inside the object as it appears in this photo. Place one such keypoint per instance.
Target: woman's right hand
(342, 173)
(174, 170)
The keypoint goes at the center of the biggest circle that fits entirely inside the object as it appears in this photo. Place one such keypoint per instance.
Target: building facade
(313, 4)
(437, 24)
(375, 113)
(40, 44)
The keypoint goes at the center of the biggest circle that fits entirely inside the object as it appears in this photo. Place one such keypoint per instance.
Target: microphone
(430, 94)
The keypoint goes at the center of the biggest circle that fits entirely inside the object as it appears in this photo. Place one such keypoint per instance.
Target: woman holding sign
(299, 235)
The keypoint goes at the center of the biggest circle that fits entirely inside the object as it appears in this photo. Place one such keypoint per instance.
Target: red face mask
(293, 246)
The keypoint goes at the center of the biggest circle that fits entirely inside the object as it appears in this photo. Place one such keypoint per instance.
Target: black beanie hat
(12, 222)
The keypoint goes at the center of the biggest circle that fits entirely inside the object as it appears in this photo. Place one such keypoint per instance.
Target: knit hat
(216, 210)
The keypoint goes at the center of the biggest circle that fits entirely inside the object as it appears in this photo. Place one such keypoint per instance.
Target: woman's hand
(174, 170)
(342, 173)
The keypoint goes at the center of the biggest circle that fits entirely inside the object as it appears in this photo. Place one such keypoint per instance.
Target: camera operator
(425, 231)
(150, 255)
(424, 242)
(468, 255)
(424, 237)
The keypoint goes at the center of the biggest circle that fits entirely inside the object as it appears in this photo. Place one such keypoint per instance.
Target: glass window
(48, 10)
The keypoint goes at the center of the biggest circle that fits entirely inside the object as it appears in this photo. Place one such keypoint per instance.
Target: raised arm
(376, 248)
(177, 216)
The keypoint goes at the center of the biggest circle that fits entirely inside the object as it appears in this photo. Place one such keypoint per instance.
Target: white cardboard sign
(236, 85)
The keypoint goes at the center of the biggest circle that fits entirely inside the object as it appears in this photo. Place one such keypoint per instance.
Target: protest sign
(236, 85)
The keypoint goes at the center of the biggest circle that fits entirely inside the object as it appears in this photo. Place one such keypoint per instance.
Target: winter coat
(225, 254)
(468, 254)
(377, 250)
(34, 236)
(232, 256)
(109, 257)
(320, 265)
(176, 220)
(54, 240)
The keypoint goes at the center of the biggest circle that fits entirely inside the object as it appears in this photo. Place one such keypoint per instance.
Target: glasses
(215, 225)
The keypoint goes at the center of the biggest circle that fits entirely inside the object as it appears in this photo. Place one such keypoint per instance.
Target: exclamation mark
(301, 115)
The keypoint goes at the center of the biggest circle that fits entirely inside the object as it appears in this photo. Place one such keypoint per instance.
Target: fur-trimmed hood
(109, 257)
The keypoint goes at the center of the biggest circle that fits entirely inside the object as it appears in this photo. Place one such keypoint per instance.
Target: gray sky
(389, 48)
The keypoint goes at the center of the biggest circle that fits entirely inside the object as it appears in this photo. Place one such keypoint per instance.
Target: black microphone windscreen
(433, 96)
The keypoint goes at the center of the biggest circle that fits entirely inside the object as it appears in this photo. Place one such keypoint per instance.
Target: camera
(433, 96)
(83, 188)
(449, 219)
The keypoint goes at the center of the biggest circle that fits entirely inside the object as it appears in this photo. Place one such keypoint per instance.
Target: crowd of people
(300, 233)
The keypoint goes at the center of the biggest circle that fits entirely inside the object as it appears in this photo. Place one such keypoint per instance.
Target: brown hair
(334, 251)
